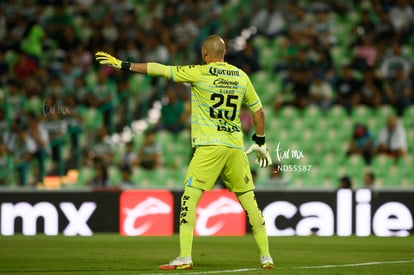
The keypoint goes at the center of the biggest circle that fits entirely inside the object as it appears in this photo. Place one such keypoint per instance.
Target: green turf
(113, 254)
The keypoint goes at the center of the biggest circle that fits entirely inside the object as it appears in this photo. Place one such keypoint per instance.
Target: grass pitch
(113, 254)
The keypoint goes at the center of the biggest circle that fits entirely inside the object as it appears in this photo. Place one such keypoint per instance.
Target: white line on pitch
(292, 267)
(350, 265)
(210, 272)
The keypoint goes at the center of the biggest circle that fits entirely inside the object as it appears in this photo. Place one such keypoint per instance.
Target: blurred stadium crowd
(335, 77)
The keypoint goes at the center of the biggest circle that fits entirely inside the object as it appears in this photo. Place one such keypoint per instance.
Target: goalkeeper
(218, 90)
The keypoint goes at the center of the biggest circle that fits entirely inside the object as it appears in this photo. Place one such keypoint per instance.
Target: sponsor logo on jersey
(218, 71)
(224, 83)
(225, 127)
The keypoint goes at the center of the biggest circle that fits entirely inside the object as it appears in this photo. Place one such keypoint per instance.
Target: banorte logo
(219, 213)
(147, 213)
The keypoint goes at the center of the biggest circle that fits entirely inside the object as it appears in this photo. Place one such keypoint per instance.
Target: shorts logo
(146, 213)
(219, 213)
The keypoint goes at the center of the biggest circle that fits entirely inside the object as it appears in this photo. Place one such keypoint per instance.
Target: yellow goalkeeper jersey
(218, 90)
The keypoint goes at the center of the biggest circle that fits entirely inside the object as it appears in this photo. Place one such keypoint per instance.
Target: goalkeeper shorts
(210, 162)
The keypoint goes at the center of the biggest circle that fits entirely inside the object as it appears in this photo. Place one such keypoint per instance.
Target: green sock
(256, 221)
(189, 201)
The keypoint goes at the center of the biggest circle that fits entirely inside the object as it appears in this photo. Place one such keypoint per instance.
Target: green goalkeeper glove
(107, 59)
(263, 157)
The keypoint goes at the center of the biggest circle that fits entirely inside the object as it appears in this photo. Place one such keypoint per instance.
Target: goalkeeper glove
(107, 59)
(262, 152)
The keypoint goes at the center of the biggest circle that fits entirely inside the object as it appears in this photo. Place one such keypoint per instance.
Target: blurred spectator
(70, 39)
(170, 15)
(320, 92)
(14, 100)
(385, 32)
(130, 157)
(81, 58)
(33, 86)
(208, 13)
(369, 180)
(101, 178)
(287, 51)
(392, 139)
(75, 124)
(298, 20)
(6, 165)
(100, 147)
(269, 21)
(3, 27)
(365, 54)
(365, 26)
(345, 182)
(4, 68)
(4, 122)
(22, 147)
(402, 16)
(24, 66)
(324, 27)
(149, 155)
(126, 182)
(57, 21)
(399, 91)
(362, 143)
(316, 6)
(326, 65)
(40, 135)
(247, 59)
(82, 94)
(155, 51)
(372, 90)
(16, 28)
(125, 103)
(302, 62)
(184, 31)
(300, 88)
(348, 89)
(295, 85)
(109, 29)
(173, 113)
(393, 61)
(56, 93)
(68, 77)
(103, 97)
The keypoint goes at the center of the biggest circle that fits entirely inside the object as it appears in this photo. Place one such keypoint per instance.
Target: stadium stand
(41, 39)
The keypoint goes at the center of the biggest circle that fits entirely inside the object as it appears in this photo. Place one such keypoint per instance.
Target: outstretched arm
(152, 69)
(141, 68)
